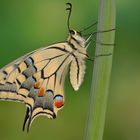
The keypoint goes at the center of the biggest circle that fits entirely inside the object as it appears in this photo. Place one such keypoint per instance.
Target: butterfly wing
(77, 72)
(37, 80)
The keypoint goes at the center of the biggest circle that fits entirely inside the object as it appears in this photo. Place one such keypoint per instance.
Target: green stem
(101, 71)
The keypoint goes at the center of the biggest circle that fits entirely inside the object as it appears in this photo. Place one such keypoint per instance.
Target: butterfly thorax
(77, 43)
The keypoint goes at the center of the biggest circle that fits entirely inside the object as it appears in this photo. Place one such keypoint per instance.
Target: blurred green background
(26, 25)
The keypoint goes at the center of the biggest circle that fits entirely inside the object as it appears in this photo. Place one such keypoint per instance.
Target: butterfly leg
(92, 59)
(106, 44)
(109, 54)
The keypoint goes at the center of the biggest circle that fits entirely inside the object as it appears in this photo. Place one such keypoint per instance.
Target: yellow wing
(37, 80)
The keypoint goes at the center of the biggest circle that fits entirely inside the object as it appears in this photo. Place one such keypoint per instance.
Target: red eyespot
(41, 92)
(58, 101)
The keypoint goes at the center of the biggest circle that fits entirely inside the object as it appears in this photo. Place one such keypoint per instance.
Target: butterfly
(37, 79)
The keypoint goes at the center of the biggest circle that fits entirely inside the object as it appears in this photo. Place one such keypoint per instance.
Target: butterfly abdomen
(77, 72)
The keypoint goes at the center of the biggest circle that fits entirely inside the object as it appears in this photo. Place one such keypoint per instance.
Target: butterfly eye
(72, 32)
(58, 101)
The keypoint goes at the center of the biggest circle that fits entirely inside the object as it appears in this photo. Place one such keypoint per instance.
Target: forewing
(77, 72)
(19, 73)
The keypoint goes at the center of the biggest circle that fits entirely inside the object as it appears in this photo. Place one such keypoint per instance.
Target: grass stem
(101, 71)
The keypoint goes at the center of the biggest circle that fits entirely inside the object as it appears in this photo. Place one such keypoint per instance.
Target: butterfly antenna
(69, 9)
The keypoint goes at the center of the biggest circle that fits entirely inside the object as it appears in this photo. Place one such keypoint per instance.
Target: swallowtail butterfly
(37, 78)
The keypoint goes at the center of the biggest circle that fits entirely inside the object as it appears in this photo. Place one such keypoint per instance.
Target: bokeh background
(26, 25)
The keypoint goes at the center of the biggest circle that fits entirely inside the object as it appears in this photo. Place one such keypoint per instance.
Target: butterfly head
(75, 38)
